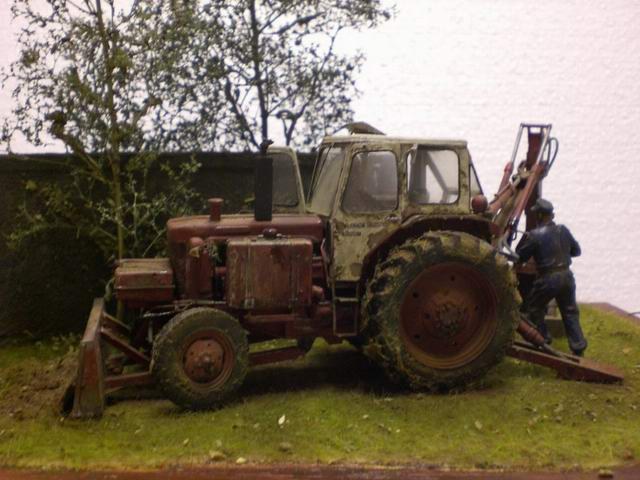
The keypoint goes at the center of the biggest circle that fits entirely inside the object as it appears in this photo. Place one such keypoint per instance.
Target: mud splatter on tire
(386, 343)
(172, 348)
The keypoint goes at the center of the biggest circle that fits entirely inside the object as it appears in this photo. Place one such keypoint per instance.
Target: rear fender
(414, 227)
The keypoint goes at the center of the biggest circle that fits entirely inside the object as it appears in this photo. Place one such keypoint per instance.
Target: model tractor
(396, 250)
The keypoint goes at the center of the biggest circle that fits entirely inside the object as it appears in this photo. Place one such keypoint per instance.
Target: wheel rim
(448, 315)
(208, 358)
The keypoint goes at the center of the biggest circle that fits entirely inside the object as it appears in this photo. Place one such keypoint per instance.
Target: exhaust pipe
(263, 184)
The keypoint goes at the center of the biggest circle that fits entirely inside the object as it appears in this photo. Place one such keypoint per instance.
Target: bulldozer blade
(89, 394)
(104, 352)
(569, 367)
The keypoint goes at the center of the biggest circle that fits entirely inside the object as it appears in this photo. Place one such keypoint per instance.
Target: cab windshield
(325, 181)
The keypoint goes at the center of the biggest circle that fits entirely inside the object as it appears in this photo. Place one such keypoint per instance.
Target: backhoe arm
(516, 195)
(519, 191)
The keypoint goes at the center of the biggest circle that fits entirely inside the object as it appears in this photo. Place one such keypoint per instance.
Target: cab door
(367, 208)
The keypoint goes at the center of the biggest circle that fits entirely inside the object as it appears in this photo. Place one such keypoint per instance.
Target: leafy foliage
(95, 77)
(84, 209)
(119, 81)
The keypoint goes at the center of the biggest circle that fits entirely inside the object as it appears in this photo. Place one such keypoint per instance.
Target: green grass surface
(337, 408)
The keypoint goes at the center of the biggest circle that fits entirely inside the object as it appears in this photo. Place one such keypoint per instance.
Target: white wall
(475, 69)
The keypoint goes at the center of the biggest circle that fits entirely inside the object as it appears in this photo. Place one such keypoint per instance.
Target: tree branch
(295, 116)
(297, 21)
(240, 117)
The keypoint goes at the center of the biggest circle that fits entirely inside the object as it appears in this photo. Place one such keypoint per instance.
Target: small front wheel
(200, 358)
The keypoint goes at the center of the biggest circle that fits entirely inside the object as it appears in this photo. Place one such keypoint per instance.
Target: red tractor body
(397, 251)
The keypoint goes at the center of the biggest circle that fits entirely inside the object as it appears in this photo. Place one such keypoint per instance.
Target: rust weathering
(396, 250)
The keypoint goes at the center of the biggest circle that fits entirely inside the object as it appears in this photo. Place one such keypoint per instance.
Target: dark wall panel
(47, 286)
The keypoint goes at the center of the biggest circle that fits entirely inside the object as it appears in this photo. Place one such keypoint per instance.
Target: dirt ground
(37, 391)
(317, 472)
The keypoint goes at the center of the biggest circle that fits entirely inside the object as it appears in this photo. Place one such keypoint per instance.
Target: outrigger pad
(569, 367)
(88, 399)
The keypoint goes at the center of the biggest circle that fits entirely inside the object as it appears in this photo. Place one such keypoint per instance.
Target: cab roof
(372, 138)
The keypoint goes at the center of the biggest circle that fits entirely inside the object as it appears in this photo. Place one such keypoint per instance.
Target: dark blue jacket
(550, 245)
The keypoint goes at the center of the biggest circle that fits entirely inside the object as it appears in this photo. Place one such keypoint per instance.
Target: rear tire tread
(380, 309)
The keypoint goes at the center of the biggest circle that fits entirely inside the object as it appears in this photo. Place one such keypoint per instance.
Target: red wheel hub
(208, 357)
(448, 315)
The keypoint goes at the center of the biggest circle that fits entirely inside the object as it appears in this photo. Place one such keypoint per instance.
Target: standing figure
(552, 247)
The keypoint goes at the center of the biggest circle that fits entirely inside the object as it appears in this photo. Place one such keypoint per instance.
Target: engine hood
(180, 230)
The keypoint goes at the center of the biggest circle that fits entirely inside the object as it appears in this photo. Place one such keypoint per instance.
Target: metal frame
(568, 366)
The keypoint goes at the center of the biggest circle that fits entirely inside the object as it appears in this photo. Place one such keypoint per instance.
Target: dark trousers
(561, 286)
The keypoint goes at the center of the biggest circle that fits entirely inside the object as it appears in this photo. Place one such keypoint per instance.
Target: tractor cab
(369, 186)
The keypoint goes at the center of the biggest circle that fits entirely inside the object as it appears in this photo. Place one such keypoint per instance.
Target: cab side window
(475, 188)
(373, 183)
(433, 176)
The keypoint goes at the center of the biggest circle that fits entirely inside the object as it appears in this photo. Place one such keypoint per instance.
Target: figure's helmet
(545, 207)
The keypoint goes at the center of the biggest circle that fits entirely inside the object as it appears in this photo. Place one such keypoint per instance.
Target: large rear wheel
(440, 310)
(200, 358)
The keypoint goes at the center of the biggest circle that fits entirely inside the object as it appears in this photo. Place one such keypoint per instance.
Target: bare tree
(275, 63)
